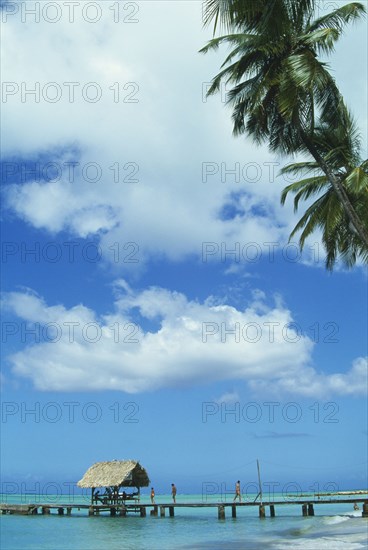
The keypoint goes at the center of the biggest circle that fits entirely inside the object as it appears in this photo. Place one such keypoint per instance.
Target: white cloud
(228, 397)
(167, 135)
(309, 383)
(353, 382)
(192, 343)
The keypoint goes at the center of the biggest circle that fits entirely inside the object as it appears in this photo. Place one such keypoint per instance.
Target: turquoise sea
(334, 527)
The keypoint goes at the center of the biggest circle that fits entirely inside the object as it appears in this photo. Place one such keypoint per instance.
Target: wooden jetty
(121, 510)
(108, 479)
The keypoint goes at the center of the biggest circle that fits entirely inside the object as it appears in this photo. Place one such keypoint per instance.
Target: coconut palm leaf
(338, 18)
(342, 147)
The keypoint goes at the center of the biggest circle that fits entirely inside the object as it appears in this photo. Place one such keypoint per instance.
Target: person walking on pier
(237, 491)
(173, 492)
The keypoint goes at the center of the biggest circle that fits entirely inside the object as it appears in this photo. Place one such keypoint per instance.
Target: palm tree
(280, 85)
(341, 149)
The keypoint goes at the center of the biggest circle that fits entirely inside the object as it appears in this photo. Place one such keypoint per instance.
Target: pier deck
(307, 507)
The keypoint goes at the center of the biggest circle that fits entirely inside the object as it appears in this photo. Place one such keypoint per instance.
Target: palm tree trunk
(338, 187)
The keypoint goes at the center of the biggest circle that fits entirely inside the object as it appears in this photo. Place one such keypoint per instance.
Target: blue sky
(152, 306)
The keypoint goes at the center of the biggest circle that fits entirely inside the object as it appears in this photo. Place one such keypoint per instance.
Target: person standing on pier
(173, 492)
(152, 495)
(237, 491)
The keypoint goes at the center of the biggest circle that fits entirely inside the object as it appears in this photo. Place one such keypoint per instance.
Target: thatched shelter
(112, 476)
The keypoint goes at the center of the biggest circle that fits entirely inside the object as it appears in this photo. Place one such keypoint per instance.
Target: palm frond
(313, 218)
(304, 189)
(219, 11)
(338, 18)
(297, 167)
(230, 14)
(236, 39)
(322, 40)
(301, 11)
(357, 182)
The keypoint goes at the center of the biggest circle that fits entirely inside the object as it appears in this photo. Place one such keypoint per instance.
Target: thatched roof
(123, 473)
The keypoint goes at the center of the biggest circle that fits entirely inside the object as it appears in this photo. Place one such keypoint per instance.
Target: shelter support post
(221, 512)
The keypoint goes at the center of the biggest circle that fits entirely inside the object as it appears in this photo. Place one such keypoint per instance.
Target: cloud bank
(176, 343)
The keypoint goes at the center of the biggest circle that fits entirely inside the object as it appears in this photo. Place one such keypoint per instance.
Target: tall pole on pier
(259, 482)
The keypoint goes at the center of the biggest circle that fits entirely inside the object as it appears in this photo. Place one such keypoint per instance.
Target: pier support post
(262, 512)
(171, 511)
(162, 511)
(123, 512)
(91, 511)
(233, 511)
(154, 512)
(221, 512)
(61, 511)
(112, 511)
(143, 511)
(45, 510)
(272, 510)
(304, 510)
(310, 510)
(69, 511)
(365, 510)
